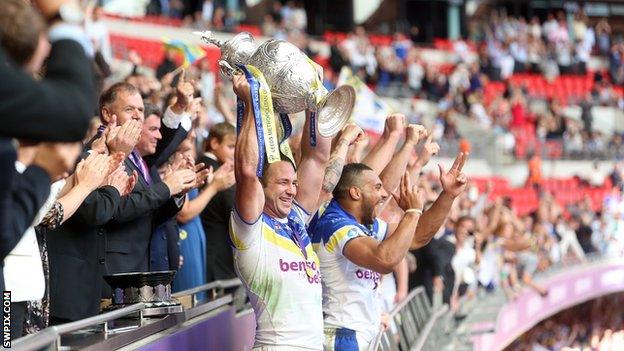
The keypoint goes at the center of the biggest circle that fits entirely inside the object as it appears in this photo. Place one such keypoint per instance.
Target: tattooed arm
(350, 133)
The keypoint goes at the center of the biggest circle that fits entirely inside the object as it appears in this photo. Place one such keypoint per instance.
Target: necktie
(141, 165)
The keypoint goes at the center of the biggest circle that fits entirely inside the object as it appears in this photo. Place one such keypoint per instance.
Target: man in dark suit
(111, 234)
(433, 268)
(216, 216)
(7, 236)
(130, 233)
(58, 108)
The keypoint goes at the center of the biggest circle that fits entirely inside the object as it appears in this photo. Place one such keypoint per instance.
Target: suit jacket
(434, 259)
(108, 234)
(29, 192)
(76, 255)
(58, 108)
(215, 219)
(164, 247)
(7, 161)
(164, 244)
(129, 233)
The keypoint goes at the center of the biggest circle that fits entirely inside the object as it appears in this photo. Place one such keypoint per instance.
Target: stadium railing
(492, 322)
(125, 326)
(412, 324)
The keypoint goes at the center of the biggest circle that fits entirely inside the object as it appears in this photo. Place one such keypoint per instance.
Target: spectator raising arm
(223, 179)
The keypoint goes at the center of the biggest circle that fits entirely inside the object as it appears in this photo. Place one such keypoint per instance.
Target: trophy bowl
(288, 74)
(292, 77)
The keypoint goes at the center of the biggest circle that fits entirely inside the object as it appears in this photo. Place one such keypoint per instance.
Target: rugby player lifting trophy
(275, 198)
(293, 79)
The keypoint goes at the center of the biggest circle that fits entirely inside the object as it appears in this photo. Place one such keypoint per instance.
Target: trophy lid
(235, 51)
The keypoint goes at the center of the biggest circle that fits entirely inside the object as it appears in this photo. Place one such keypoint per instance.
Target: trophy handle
(227, 69)
(206, 37)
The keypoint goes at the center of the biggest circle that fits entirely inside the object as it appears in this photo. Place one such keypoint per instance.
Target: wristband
(419, 212)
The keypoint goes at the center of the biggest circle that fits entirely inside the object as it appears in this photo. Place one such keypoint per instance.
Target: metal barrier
(51, 337)
(412, 324)
(137, 329)
(218, 284)
(490, 321)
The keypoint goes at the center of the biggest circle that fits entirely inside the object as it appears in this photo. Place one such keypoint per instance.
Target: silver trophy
(293, 79)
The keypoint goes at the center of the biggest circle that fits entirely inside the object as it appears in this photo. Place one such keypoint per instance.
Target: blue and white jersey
(275, 260)
(351, 294)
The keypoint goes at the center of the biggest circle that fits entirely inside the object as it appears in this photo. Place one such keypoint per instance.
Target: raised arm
(249, 198)
(391, 175)
(349, 135)
(382, 152)
(453, 184)
(383, 257)
(428, 150)
(176, 123)
(313, 159)
(221, 105)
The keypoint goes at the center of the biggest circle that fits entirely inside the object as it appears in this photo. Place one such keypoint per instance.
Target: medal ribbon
(263, 116)
(240, 111)
(285, 130)
(318, 91)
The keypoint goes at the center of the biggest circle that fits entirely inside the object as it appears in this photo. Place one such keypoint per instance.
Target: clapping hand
(201, 174)
(180, 181)
(223, 177)
(92, 171)
(121, 181)
(125, 137)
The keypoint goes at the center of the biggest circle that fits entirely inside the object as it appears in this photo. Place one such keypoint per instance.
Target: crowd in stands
(283, 17)
(593, 325)
(515, 78)
(487, 245)
(517, 84)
